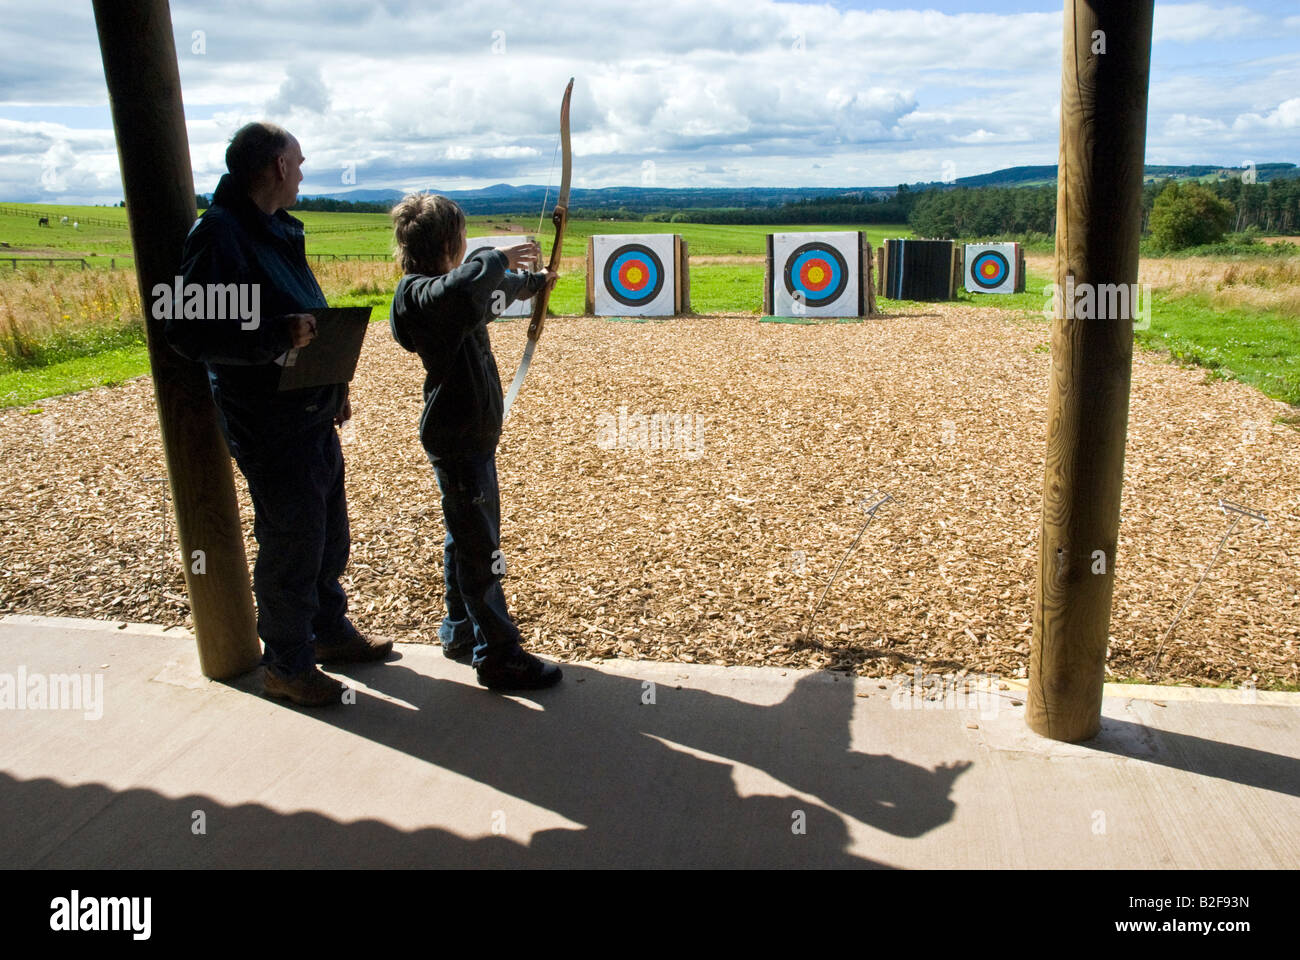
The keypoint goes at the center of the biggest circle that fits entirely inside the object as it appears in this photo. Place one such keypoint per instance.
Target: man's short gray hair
(253, 148)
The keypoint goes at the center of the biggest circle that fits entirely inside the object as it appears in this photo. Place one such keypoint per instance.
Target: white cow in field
(63, 219)
(75, 225)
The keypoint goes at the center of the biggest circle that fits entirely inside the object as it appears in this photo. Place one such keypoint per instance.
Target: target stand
(818, 275)
(519, 308)
(994, 268)
(638, 275)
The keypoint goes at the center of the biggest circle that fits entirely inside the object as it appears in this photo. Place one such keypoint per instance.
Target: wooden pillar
(135, 40)
(1105, 74)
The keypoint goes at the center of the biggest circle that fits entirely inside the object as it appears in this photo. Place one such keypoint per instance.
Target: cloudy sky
(677, 93)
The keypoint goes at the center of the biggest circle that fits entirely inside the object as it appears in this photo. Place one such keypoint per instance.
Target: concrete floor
(736, 767)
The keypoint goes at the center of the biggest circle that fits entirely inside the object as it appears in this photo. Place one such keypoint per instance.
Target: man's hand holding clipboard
(326, 346)
(302, 328)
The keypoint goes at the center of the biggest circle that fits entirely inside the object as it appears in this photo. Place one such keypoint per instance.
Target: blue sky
(404, 95)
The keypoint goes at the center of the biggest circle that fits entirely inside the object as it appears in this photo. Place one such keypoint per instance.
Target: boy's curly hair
(427, 229)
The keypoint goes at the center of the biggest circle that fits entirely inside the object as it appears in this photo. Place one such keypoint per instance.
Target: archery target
(816, 274)
(517, 308)
(991, 267)
(634, 275)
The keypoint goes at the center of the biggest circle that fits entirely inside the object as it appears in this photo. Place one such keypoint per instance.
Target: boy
(441, 312)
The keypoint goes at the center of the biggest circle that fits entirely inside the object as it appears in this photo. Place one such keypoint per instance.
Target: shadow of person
(631, 773)
(1230, 762)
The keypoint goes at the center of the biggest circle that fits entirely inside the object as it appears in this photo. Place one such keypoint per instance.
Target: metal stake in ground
(1227, 507)
(162, 480)
(878, 499)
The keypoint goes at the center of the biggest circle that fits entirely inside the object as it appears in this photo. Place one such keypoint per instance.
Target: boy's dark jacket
(235, 242)
(444, 319)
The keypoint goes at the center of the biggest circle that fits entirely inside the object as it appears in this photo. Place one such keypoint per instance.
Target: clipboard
(332, 355)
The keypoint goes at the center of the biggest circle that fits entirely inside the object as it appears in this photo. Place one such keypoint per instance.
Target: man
(284, 442)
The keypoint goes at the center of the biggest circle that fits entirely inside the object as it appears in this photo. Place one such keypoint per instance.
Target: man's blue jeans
(476, 603)
(301, 526)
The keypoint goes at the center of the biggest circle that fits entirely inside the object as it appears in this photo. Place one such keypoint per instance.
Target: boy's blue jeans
(476, 602)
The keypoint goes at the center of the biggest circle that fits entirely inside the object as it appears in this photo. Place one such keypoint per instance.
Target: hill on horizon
(508, 198)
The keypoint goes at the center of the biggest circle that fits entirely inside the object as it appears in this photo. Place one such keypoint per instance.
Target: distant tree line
(1175, 214)
(848, 208)
(1273, 207)
(329, 205)
(972, 212)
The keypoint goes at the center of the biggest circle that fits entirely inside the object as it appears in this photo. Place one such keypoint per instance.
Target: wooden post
(135, 41)
(677, 275)
(869, 271)
(684, 267)
(769, 297)
(589, 302)
(1099, 218)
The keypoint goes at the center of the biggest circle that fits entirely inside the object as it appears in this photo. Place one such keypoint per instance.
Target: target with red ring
(816, 274)
(634, 274)
(989, 270)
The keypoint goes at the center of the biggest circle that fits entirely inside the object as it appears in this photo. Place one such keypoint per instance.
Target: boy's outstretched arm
(465, 295)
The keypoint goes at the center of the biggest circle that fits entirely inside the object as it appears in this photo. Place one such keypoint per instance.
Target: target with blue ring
(990, 270)
(816, 274)
(634, 274)
(993, 267)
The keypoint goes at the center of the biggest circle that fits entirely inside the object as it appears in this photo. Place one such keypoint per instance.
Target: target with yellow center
(815, 274)
(634, 275)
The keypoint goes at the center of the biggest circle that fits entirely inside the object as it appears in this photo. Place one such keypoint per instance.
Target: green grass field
(18, 388)
(1258, 347)
(1261, 348)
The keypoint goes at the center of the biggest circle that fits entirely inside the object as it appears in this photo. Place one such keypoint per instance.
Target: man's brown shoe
(352, 649)
(312, 688)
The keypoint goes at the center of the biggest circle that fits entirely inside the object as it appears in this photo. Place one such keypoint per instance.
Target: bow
(559, 218)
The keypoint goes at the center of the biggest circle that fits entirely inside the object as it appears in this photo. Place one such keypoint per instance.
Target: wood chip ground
(718, 552)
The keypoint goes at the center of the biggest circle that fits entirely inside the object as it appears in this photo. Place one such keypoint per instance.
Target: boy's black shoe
(518, 671)
(459, 651)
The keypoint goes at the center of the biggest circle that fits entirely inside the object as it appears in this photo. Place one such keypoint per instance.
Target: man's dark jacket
(444, 319)
(235, 242)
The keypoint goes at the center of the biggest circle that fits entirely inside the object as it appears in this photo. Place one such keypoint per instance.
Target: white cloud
(302, 89)
(723, 92)
(1190, 22)
(1285, 117)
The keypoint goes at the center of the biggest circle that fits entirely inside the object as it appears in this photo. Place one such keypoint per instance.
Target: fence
(47, 215)
(14, 261)
(318, 257)
(51, 261)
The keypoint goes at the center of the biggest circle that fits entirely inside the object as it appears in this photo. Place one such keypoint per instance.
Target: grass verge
(21, 387)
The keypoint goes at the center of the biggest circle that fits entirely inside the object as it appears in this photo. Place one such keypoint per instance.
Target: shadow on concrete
(592, 751)
(1207, 758)
(94, 826)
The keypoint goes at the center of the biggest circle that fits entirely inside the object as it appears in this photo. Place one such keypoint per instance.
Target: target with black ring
(991, 267)
(990, 270)
(634, 274)
(816, 274)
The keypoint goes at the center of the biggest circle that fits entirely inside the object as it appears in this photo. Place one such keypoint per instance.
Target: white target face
(634, 275)
(991, 267)
(816, 275)
(518, 308)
